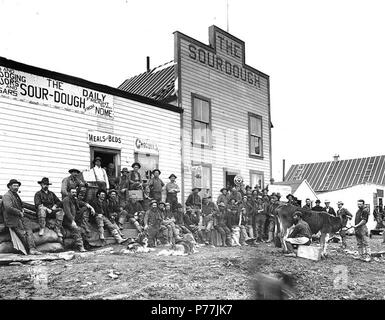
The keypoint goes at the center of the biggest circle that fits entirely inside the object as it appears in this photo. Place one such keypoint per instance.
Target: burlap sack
(48, 237)
(50, 247)
(7, 247)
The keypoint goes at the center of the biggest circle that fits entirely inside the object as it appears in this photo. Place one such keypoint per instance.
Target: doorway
(109, 156)
(229, 176)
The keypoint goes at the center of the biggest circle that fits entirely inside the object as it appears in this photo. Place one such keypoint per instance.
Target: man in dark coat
(194, 200)
(301, 234)
(329, 209)
(74, 180)
(307, 205)
(48, 205)
(14, 219)
(156, 186)
(345, 215)
(134, 209)
(135, 177)
(152, 222)
(220, 224)
(71, 208)
(317, 207)
(100, 206)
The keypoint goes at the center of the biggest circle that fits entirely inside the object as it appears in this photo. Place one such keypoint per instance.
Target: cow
(317, 220)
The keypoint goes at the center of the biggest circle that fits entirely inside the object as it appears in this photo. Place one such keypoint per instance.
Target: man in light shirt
(100, 174)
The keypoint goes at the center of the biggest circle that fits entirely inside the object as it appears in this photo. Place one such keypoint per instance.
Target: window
(255, 135)
(148, 163)
(201, 120)
(256, 179)
(201, 178)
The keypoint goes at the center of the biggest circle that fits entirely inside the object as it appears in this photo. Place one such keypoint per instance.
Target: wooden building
(52, 122)
(346, 181)
(225, 125)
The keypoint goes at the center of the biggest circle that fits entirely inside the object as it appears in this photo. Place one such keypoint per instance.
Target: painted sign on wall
(145, 146)
(31, 88)
(102, 139)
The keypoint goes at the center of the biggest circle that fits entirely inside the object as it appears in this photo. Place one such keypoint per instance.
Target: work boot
(82, 249)
(270, 238)
(35, 252)
(101, 233)
(41, 232)
(58, 232)
(117, 237)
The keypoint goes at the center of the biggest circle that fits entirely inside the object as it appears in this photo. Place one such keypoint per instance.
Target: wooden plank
(7, 258)
(309, 252)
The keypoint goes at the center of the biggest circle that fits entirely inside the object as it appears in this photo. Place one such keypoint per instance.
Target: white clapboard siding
(231, 100)
(38, 140)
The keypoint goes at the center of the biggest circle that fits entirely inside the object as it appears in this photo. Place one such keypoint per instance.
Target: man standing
(307, 206)
(361, 231)
(111, 175)
(123, 185)
(152, 222)
(71, 208)
(329, 209)
(100, 174)
(220, 224)
(14, 216)
(236, 194)
(100, 206)
(233, 221)
(344, 215)
(194, 200)
(301, 234)
(172, 190)
(72, 181)
(260, 219)
(317, 207)
(156, 186)
(134, 177)
(48, 205)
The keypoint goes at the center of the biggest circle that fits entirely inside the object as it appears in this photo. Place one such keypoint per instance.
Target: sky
(325, 59)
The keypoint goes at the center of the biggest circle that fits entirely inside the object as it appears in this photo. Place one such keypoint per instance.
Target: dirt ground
(212, 273)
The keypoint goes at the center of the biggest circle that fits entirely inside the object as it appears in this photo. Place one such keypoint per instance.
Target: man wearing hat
(123, 185)
(102, 217)
(100, 174)
(223, 197)
(220, 224)
(48, 205)
(172, 190)
(156, 186)
(301, 234)
(344, 215)
(191, 221)
(134, 210)
(179, 220)
(194, 200)
(317, 206)
(112, 179)
(73, 217)
(329, 209)
(135, 177)
(74, 180)
(152, 222)
(117, 214)
(236, 194)
(14, 219)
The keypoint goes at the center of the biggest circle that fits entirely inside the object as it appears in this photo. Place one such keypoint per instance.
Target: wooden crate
(138, 194)
(309, 252)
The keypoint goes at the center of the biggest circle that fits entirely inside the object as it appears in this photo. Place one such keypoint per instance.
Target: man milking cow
(301, 234)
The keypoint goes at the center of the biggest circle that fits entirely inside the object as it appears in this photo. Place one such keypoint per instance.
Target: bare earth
(212, 273)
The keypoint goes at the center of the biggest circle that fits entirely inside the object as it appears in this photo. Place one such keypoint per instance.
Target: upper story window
(255, 135)
(201, 120)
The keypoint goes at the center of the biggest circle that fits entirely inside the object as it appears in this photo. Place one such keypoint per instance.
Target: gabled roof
(334, 175)
(157, 84)
(293, 184)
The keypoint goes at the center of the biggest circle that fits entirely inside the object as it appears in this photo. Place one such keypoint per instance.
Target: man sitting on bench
(301, 234)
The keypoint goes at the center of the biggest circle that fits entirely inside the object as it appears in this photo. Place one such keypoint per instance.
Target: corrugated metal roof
(157, 84)
(334, 175)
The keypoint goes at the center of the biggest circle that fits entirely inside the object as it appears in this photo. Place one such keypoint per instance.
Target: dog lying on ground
(182, 247)
(138, 246)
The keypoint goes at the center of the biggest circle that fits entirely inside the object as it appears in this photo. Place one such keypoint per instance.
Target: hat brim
(74, 170)
(173, 175)
(136, 164)
(41, 182)
(156, 170)
(9, 184)
(196, 189)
